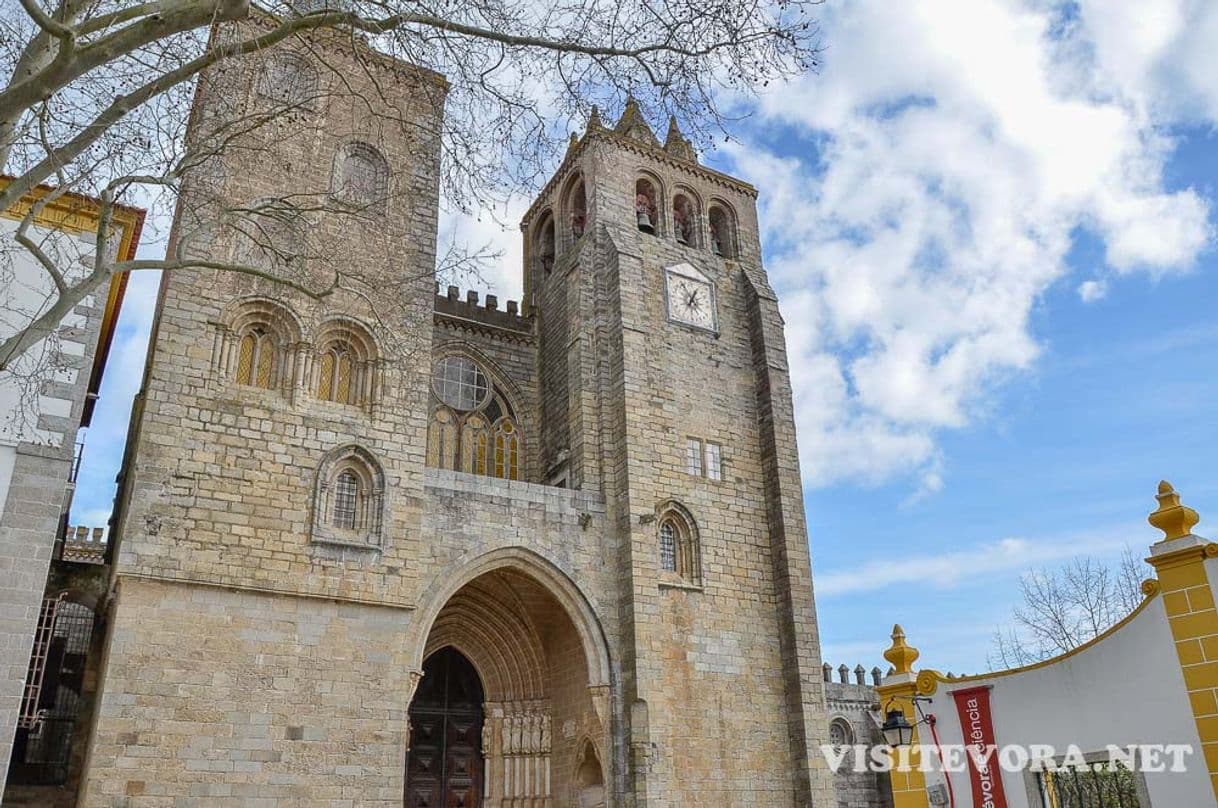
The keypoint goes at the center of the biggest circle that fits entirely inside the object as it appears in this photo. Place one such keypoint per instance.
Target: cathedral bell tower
(664, 385)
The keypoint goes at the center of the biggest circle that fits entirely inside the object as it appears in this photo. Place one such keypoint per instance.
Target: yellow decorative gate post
(897, 692)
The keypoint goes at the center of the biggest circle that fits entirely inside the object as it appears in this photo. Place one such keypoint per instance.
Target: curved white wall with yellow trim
(1125, 688)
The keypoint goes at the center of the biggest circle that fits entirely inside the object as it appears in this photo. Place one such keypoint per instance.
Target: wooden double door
(444, 764)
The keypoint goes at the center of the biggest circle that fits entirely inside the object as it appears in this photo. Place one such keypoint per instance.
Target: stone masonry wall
(858, 705)
(272, 701)
(221, 488)
(702, 671)
(30, 519)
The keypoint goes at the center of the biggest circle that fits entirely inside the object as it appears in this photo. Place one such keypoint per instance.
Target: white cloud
(1091, 291)
(495, 230)
(978, 565)
(958, 148)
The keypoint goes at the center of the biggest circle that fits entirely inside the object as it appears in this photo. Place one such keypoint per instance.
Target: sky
(991, 225)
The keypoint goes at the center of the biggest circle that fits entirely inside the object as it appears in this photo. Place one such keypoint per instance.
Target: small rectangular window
(714, 462)
(693, 456)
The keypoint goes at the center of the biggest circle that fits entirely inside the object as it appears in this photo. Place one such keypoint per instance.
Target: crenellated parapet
(858, 675)
(471, 314)
(85, 545)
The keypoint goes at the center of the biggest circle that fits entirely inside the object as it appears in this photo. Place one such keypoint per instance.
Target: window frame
(848, 732)
(713, 471)
(345, 510)
(341, 185)
(276, 67)
(704, 465)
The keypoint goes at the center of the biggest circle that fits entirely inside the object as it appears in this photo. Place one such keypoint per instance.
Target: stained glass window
(460, 383)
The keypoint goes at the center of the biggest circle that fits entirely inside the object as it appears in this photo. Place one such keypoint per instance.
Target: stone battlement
(85, 545)
(450, 305)
(858, 672)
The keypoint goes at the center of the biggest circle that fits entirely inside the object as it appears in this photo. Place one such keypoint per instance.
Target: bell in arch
(642, 209)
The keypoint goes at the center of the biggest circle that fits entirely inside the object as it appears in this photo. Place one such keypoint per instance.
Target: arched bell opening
(530, 658)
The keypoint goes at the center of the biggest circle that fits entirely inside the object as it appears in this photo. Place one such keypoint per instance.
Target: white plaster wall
(8, 455)
(1126, 689)
(26, 289)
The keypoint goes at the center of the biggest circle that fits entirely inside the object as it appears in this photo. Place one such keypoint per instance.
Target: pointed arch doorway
(543, 669)
(444, 764)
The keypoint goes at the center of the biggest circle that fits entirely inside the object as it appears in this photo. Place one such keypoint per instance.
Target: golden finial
(1175, 520)
(900, 654)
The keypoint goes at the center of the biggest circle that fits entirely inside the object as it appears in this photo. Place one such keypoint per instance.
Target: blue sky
(991, 224)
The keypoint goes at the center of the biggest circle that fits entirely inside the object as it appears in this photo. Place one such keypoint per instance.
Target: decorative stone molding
(366, 529)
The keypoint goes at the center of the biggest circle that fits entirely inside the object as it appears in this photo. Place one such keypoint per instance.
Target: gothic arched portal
(528, 653)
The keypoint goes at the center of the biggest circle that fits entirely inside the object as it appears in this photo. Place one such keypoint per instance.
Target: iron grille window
(1100, 785)
(668, 546)
(51, 704)
(346, 499)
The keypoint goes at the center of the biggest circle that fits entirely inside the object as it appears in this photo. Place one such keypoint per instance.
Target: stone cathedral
(539, 554)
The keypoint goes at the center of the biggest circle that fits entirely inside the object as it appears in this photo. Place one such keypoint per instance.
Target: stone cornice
(458, 323)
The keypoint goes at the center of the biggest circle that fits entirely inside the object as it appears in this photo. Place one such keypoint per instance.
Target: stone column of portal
(492, 716)
(524, 755)
(299, 370)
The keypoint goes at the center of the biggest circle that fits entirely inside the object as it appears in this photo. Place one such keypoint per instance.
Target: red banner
(973, 706)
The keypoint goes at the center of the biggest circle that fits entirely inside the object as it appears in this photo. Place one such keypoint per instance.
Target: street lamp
(897, 729)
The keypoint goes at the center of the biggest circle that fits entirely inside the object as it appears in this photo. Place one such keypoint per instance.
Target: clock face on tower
(691, 297)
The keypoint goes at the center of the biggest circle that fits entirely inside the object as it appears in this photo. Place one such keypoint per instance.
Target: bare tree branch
(1062, 608)
(97, 100)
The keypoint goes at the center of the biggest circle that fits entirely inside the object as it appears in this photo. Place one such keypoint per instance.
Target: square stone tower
(664, 385)
(387, 546)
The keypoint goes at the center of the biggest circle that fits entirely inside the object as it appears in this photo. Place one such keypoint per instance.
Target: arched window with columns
(349, 501)
(576, 204)
(344, 367)
(647, 204)
(686, 218)
(544, 248)
(722, 225)
(255, 345)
